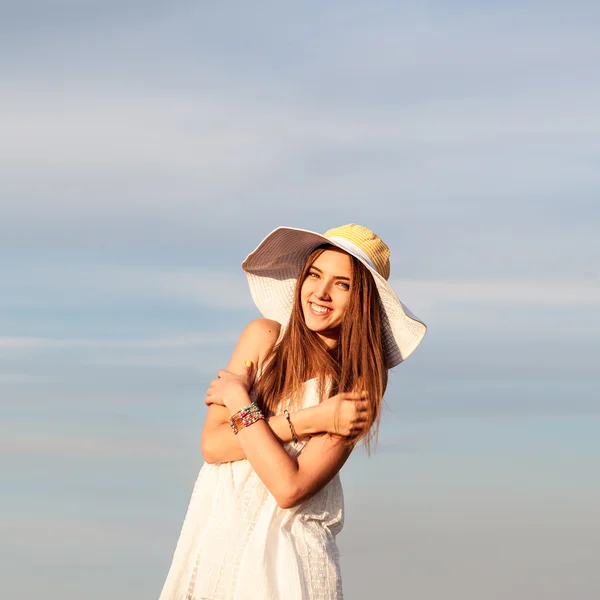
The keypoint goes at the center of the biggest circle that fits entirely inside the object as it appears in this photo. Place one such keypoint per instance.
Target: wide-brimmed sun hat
(273, 268)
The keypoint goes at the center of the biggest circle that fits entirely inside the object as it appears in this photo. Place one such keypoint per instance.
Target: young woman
(304, 384)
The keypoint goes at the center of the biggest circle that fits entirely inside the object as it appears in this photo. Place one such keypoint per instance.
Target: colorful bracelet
(287, 416)
(245, 417)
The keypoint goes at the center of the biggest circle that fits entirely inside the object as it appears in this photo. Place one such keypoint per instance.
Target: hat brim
(272, 271)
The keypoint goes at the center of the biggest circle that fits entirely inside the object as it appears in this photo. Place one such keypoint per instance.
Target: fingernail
(248, 363)
(364, 393)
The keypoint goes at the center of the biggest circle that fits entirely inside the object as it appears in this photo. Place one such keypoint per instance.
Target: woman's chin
(327, 333)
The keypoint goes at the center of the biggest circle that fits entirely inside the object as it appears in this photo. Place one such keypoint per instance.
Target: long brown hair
(355, 363)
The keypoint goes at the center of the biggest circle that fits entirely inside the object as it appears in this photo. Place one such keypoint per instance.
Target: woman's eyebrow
(335, 276)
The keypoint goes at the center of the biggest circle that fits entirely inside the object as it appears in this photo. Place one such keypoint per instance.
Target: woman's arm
(257, 339)
(290, 481)
(220, 445)
(340, 415)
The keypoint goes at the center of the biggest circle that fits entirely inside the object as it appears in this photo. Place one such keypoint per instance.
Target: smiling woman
(303, 386)
(325, 293)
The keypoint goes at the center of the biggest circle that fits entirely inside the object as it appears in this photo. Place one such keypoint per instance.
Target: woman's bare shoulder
(264, 328)
(260, 335)
(255, 342)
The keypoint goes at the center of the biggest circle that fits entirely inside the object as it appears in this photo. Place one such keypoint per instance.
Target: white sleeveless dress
(236, 543)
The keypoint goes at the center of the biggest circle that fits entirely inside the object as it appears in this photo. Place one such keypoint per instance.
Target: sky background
(146, 149)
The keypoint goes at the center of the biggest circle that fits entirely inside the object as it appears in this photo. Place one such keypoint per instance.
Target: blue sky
(147, 149)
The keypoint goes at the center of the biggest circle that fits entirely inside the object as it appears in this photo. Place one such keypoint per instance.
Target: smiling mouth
(319, 310)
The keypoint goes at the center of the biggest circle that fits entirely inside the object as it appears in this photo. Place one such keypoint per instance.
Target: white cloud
(51, 538)
(208, 137)
(494, 293)
(89, 131)
(107, 158)
(12, 378)
(90, 445)
(182, 341)
(131, 130)
(226, 289)
(218, 289)
(41, 284)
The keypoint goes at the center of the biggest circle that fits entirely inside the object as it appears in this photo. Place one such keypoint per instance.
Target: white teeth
(319, 309)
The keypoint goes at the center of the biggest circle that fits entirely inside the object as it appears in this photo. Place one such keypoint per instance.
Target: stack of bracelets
(245, 417)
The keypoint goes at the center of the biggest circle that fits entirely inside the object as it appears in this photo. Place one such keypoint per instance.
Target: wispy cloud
(90, 445)
(112, 154)
(45, 536)
(65, 285)
(12, 378)
(543, 293)
(139, 138)
(226, 289)
(218, 289)
(201, 340)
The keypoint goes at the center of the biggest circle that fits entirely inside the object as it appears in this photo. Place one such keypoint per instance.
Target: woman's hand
(229, 387)
(352, 414)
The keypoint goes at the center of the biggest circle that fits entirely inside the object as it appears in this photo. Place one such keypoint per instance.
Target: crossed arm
(220, 445)
(290, 481)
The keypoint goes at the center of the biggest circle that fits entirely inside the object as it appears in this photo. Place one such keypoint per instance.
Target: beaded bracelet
(245, 417)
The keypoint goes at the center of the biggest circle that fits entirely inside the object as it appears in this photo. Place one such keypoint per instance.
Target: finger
(351, 396)
(361, 403)
(250, 373)
(222, 373)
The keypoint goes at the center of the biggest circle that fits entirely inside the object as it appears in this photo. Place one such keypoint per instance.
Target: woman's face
(325, 294)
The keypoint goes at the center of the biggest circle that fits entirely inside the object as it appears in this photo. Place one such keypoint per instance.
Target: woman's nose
(322, 291)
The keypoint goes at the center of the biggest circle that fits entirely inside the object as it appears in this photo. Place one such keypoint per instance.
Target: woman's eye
(344, 285)
(313, 274)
